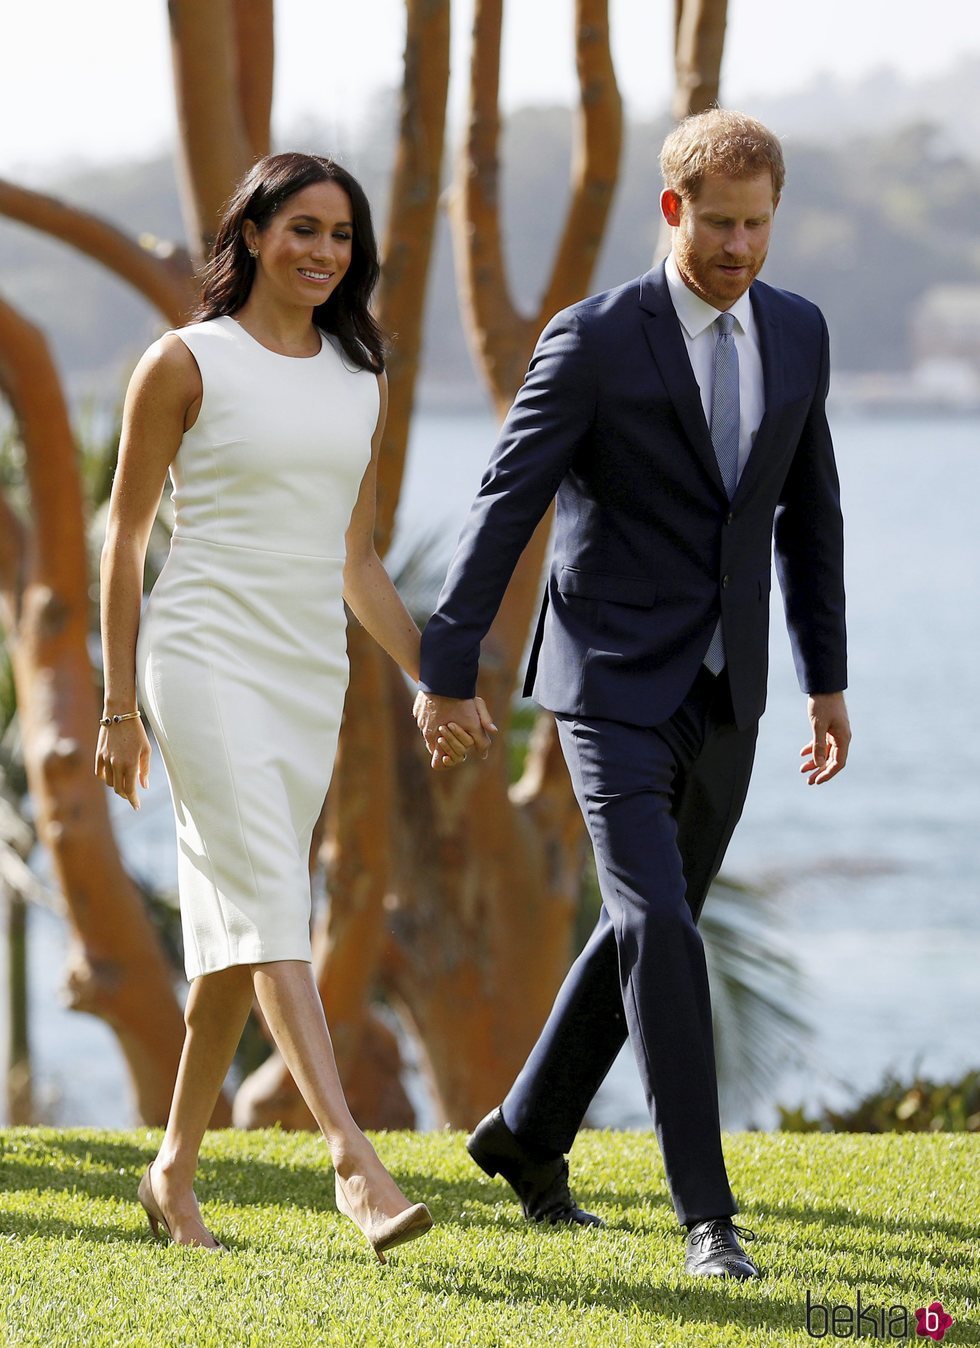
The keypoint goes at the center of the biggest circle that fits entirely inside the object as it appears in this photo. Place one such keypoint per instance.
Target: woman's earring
(253, 252)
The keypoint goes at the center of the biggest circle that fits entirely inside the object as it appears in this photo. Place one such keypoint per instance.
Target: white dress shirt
(696, 319)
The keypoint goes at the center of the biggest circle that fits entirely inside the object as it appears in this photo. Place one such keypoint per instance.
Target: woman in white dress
(268, 413)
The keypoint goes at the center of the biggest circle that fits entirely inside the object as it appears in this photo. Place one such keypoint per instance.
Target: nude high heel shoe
(154, 1213)
(391, 1231)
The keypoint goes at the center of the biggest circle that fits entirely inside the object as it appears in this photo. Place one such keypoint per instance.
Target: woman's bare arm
(367, 586)
(375, 601)
(163, 399)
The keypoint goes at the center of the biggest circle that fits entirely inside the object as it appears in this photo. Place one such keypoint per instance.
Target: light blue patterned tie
(724, 437)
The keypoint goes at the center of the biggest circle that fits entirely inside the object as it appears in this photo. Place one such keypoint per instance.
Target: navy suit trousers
(661, 804)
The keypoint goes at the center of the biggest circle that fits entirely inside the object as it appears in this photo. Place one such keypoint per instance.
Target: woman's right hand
(122, 758)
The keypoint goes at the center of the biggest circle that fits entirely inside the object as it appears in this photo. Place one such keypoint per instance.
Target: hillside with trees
(868, 223)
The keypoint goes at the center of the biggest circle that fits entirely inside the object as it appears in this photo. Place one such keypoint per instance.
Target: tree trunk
(481, 921)
(349, 938)
(20, 1106)
(698, 49)
(214, 147)
(475, 874)
(699, 41)
(254, 69)
(475, 918)
(117, 967)
(502, 339)
(486, 876)
(409, 236)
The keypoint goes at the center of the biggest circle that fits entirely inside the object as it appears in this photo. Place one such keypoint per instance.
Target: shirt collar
(696, 314)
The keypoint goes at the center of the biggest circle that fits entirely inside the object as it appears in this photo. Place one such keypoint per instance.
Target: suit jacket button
(729, 518)
(724, 582)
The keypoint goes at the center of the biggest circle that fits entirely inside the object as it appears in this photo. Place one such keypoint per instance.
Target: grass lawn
(893, 1217)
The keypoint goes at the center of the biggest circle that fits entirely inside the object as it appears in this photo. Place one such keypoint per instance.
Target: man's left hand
(826, 754)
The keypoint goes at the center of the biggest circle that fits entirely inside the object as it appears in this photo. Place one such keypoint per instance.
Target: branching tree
(160, 272)
(490, 875)
(223, 65)
(364, 800)
(455, 895)
(117, 968)
(452, 895)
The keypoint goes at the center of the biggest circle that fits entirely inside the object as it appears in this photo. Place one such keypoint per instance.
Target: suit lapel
(663, 333)
(770, 346)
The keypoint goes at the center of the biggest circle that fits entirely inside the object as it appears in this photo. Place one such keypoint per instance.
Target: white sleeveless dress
(242, 651)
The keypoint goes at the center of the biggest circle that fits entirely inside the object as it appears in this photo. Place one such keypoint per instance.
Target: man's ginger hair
(723, 142)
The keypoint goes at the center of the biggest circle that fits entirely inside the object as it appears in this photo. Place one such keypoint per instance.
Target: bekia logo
(865, 1320)
(932, 1321)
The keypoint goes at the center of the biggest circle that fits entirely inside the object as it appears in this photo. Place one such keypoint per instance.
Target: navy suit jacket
(648, 549)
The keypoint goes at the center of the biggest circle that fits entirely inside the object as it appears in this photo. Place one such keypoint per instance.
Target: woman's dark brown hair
(230, 272)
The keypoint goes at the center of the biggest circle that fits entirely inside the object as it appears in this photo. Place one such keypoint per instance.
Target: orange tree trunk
(454, 895)
(219, 131)
(359, 821)
(699, 43)
(486, 877)
(390, 901)
(254, 68)
(699, 30)
(223, 68)
(117, 967)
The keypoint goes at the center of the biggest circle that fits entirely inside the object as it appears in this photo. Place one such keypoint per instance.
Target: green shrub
(919, 1106)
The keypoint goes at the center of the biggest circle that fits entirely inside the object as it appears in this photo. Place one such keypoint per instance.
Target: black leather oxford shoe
(713, 1250)
(540, 1181)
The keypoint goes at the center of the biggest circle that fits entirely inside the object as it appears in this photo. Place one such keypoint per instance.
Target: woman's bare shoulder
(168, 367)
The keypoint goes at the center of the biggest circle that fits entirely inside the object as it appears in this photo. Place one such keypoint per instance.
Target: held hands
(826, 754)
(122, 758)
(452, 727)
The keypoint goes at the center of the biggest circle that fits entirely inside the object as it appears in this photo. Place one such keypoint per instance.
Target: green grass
(895, 1216)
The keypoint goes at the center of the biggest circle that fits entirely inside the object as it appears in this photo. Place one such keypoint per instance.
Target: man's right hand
(451, 725)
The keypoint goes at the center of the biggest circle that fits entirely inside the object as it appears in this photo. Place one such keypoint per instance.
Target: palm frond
(758, 994)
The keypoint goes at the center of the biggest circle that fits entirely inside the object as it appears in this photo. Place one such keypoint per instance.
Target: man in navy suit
(680, 421)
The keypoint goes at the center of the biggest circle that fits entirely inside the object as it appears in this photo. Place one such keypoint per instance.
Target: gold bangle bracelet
(114, 720)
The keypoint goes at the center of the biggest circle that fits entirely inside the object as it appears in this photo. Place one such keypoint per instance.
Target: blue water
(878, 872)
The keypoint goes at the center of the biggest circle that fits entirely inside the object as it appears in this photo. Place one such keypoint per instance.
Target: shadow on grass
(837, 1216)
(16, 1224)
(308, 1187)
(711, 1302)
(102, 1151)
(231, 1181)
(949, 1290)
(468, 1204)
